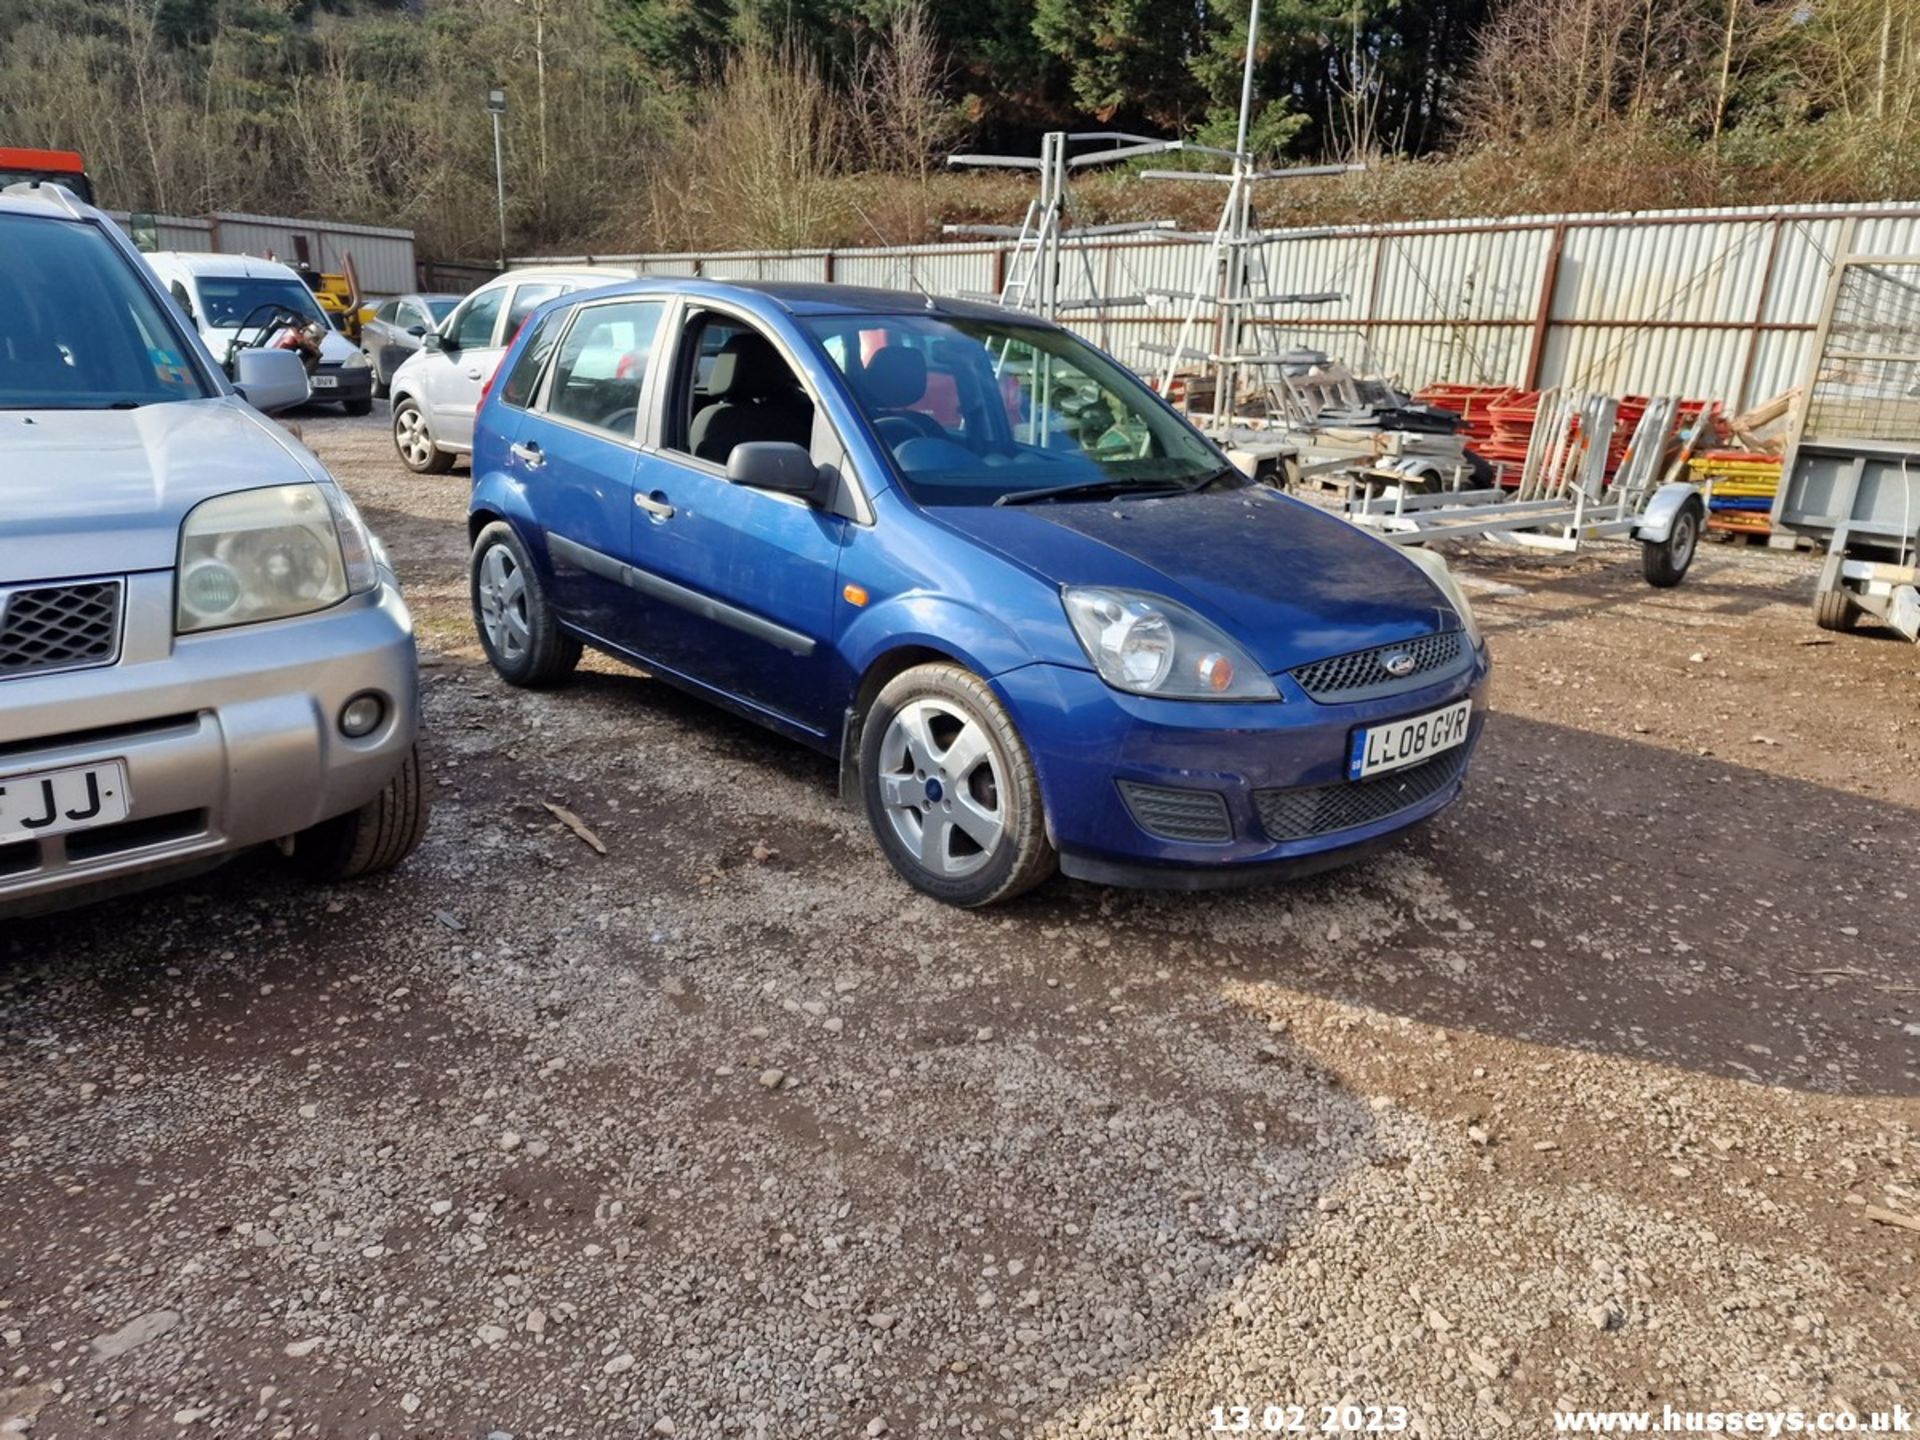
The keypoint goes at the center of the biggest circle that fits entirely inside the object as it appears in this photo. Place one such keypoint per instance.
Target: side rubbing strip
(705, 606)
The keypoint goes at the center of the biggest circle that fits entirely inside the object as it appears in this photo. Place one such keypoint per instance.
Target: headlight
(1436, 570)
(269, 554)
(355, 361)
(1151, 646)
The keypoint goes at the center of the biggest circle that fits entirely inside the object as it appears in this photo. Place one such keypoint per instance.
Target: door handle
(473, 374)
(658, 509)
(528, 452)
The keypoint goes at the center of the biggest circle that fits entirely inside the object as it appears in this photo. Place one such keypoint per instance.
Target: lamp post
(496, 107)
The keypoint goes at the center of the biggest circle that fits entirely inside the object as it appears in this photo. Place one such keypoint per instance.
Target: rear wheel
(518, 629)
(377, 836)
(414, 440)
(950, 789)
(1835, 610)
(1666, 562)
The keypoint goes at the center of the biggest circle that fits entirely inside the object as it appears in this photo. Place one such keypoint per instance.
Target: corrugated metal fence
(1714, 304)
(384, 258)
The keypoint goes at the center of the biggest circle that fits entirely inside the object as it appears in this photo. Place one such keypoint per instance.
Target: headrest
(748, 368)
(894, 378)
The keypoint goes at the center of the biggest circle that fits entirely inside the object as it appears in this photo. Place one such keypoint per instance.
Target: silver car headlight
(1435, 567)
(1150, 645)
(269, 554)
(356, 361)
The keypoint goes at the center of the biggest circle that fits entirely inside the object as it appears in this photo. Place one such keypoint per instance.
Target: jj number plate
(1376, 749)
(54, 801)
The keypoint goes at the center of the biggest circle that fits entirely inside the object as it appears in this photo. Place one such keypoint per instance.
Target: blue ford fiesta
(1041, 620)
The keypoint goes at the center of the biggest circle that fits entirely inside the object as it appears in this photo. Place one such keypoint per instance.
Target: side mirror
(782, 467)
(434, 341)
(271, 380)
(419, 332)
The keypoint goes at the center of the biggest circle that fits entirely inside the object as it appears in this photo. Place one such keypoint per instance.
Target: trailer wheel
(1835, 610)
(1666, 562)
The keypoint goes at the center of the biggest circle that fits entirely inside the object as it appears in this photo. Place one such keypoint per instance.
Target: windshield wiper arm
(1113, 484)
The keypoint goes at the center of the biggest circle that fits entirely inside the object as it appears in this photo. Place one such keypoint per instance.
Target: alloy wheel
(503, 604)
(941, 788)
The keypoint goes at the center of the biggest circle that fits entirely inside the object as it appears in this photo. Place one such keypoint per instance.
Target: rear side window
(524, 378)
(602, 364)
(526, 300)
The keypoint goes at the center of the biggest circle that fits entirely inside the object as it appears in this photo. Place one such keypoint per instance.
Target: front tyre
(950, 789)
(414, 441)
(518, 629)
(377, 836)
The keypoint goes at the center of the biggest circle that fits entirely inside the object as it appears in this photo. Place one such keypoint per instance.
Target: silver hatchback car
(202, 647)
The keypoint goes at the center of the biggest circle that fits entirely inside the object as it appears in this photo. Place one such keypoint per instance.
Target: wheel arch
(880, 670)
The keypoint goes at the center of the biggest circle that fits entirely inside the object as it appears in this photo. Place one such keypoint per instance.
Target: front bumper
(351, 384)
(229, 739)
(1087, 739)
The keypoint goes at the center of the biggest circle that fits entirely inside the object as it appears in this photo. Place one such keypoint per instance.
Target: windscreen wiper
(1105, 485)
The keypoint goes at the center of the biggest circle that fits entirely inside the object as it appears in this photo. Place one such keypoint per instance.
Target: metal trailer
(1850, 480)
(1564, 497)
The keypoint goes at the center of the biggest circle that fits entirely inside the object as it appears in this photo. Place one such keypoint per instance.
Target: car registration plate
(326, 382)
(1378, 748)
(51, 802)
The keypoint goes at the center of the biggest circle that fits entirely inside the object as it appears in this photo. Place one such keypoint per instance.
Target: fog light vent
(1172, 814)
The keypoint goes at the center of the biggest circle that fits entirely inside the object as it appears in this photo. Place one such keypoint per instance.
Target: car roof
(806, 298)
(197, 263)
(43, 202)
(598, 274)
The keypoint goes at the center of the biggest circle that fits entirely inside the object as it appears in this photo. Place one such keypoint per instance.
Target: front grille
(1363, 675)
(1324, 809)
(1175, 814)
(59, 627)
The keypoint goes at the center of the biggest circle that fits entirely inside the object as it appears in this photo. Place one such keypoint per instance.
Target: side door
(576, 451)
(744, 582)
(470, 348)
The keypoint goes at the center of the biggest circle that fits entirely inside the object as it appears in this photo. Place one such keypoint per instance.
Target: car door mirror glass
(782, 467)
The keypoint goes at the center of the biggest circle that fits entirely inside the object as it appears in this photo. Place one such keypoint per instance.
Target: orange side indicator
(855, 594)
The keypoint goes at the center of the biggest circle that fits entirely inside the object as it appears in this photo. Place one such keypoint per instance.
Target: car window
(78, 331)
(602, 363)
(740, 389)
(972, 410)
(472, 325)
(524, 378)
(230, 302)
(442, 306)
(526, 300)
(405, 315)
(387, 311)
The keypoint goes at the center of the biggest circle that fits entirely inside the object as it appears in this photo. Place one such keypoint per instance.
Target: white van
(231, 298)
(436, 391)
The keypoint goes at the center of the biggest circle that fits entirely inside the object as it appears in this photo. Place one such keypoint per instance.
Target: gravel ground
(1579, 1098)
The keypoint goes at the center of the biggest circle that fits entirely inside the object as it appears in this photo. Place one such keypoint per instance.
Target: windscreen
(228, 302)
(78, 331)
(975, 410)
(442, 305)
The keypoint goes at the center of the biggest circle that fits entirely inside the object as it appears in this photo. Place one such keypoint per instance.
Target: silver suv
(202, 648)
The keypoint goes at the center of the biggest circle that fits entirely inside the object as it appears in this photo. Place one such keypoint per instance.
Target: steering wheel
(921, 423)
(621, 421)
(896, 430)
